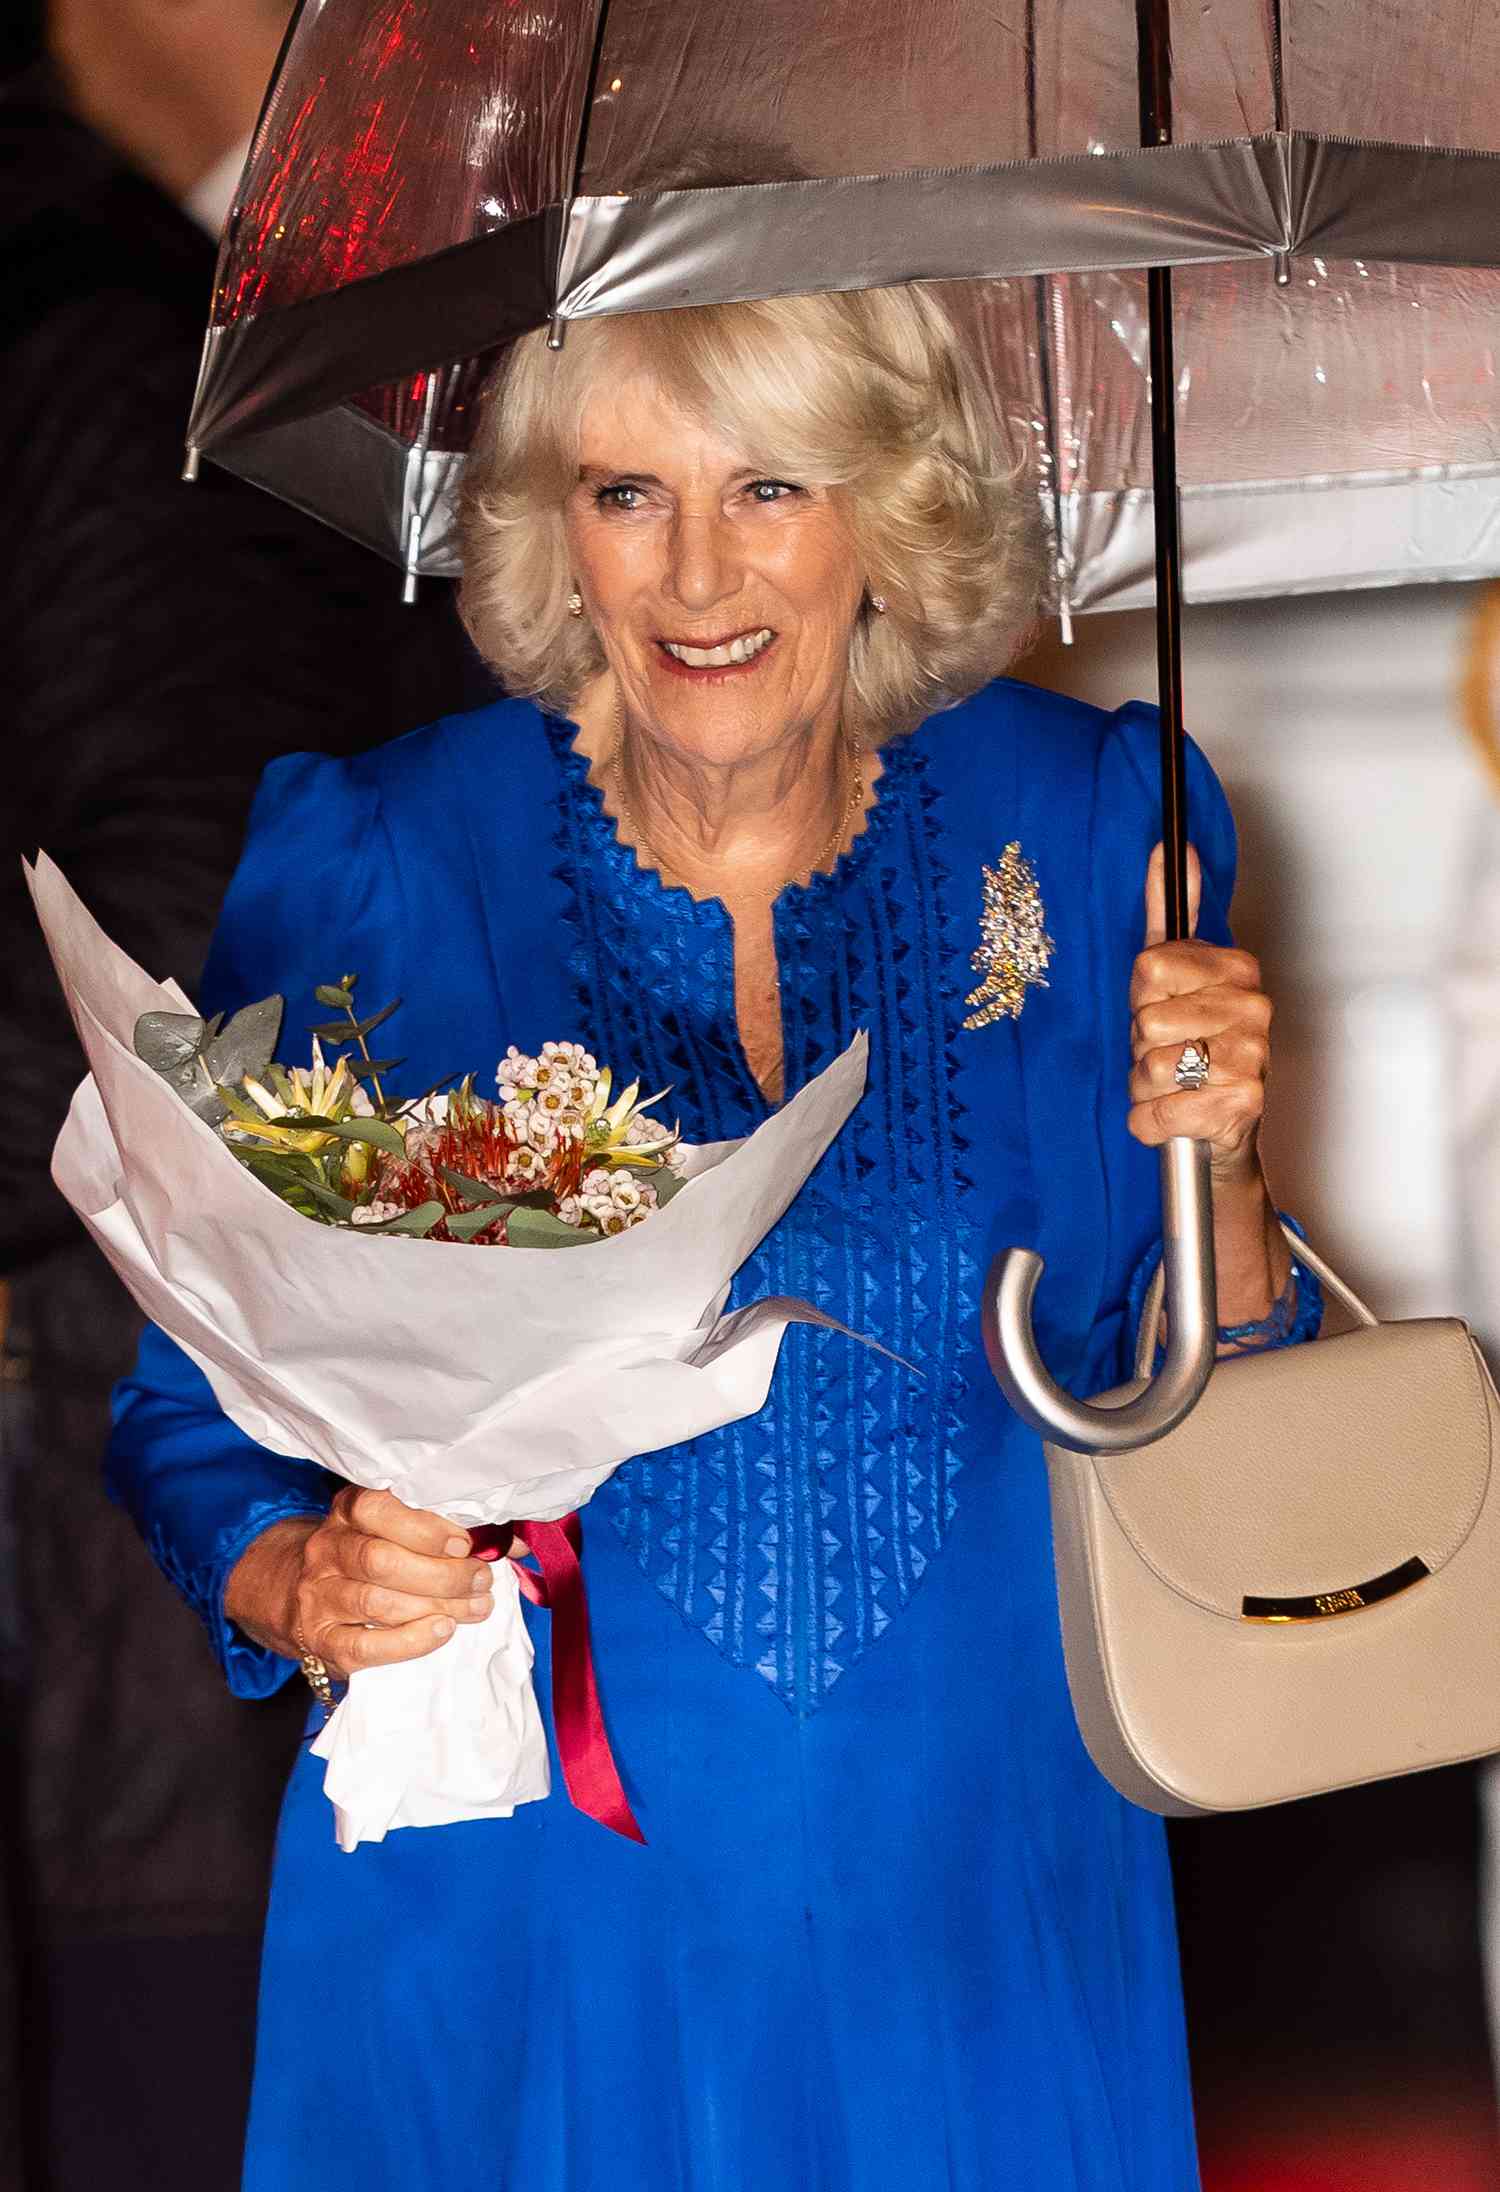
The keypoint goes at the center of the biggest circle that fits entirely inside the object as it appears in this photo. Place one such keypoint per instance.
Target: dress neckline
(674, 900)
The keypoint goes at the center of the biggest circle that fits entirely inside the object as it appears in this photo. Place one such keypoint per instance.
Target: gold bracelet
(316, 1675)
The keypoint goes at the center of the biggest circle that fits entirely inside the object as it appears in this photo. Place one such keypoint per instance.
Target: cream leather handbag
(1298, 1589)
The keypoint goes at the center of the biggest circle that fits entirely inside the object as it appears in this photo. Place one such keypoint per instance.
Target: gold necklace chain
(614, 768)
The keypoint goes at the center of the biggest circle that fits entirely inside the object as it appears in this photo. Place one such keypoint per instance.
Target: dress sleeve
(196, 1487)
(1129, 793)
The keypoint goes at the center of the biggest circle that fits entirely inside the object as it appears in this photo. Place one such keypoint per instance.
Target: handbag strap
(1344, 1294)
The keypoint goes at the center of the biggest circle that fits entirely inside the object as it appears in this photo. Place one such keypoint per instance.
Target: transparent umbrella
(431, 178)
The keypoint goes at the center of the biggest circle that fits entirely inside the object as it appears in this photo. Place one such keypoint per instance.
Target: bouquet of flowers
(495, 1389)
(552, 1164)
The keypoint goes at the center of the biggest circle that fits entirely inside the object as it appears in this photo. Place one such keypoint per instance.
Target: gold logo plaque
(1353, 1598)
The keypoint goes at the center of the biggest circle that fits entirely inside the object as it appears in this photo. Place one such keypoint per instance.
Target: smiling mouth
(724, 654)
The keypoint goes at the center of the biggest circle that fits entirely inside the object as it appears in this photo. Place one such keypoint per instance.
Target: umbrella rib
(580, 157)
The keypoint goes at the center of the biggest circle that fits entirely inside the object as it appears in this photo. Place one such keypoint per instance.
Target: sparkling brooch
(1015, 950)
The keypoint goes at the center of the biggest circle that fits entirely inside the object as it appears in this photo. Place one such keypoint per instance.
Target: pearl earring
(878, 604)
(575, 603)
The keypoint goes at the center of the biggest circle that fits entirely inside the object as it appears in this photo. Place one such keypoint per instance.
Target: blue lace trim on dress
(793, 1539)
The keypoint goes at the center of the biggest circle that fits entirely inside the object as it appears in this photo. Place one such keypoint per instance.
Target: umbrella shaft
(1153, 29)
(1174, 816)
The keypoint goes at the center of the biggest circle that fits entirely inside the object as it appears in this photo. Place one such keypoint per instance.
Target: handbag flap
(1310, 1471)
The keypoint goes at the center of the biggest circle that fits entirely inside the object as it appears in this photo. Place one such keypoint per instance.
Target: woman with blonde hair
(751, 574)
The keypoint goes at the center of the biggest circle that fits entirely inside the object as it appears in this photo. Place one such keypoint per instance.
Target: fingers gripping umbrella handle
(1159, 1406)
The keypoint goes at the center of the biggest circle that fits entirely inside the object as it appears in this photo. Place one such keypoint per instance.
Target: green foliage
(476, 1191)
(378, 1133)
(540, 1229)
(350, 1030)
(418, 1223)
(464, 1224)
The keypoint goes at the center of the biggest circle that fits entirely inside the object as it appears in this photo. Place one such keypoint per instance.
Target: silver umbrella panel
(433, 177)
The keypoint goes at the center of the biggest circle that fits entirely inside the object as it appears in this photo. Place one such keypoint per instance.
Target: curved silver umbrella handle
(1157, 1407)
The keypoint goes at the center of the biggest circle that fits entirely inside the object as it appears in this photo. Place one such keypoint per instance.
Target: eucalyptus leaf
(271, 1170)
(365, 1069)
(540, 1229)
(325, 1197)
(329, 993)
(418, 1223)
(379, 1133)
(464, 1224)
(287, 1165)
(376, 1019)
(478, 1191)
(667, 1184)
(194, 1055)
(351, 1031)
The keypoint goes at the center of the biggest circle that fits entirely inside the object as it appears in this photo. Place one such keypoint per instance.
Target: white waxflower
(644, 1133)
(525, 1167)
(375, 1213)
(541, 1132)
(515, 1077)
(571, 1211)
(570, 1057)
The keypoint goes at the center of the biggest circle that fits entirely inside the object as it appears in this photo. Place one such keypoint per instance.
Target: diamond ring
(1192, 1066)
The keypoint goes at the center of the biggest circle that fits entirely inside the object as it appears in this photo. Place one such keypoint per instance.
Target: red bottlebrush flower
(476, 1143)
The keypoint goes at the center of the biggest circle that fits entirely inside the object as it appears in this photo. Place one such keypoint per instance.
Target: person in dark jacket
(159, 644)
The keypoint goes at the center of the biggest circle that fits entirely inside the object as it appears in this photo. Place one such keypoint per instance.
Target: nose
(702, 566)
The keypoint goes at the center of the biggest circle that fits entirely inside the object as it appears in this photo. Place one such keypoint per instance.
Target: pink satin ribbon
(582, 1741)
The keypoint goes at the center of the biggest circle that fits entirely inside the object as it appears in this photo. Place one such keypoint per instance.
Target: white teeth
(743, 649)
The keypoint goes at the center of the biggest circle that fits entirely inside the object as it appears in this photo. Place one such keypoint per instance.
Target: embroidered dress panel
(791, 1555)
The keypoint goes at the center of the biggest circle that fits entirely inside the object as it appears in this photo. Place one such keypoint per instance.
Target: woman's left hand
(1211, 995)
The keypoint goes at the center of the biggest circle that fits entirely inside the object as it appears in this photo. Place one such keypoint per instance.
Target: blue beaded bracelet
(1264, 1333)
(1295, 1317)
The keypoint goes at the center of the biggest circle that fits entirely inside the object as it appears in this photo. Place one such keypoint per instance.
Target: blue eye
(771, 490)
(619, 495)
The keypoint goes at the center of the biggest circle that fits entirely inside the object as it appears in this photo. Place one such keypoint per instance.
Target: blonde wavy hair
(870, 394)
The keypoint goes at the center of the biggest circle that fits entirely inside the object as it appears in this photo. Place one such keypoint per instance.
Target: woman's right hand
(374, 1582)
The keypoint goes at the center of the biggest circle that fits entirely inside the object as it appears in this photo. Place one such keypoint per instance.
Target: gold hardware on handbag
(1298, 1589)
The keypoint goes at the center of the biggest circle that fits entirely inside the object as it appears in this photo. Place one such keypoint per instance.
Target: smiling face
(723, 597)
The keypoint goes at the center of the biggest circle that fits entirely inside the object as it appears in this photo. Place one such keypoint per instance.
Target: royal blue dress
(890, 1931)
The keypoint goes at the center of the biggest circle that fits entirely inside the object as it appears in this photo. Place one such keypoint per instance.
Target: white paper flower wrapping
(490, 1384)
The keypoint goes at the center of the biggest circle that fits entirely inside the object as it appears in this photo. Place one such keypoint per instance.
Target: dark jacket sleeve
(161, 643)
